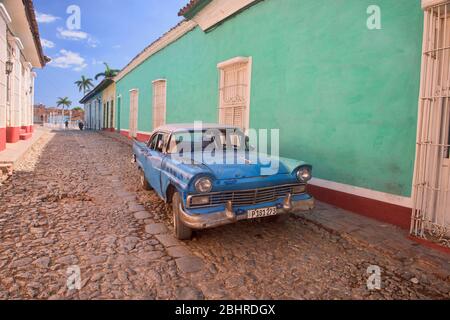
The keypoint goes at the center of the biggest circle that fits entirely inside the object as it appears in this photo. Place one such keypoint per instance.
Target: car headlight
(203, 185)
(304, 174)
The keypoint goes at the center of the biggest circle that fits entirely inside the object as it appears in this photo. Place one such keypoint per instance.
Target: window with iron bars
(431, 192)
(234, 94)
(159, 102)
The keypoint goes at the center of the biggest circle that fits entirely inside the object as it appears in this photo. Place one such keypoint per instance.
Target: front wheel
(144, 183)
(182, 232)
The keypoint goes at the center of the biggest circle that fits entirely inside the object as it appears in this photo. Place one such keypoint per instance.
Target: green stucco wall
(344, 97)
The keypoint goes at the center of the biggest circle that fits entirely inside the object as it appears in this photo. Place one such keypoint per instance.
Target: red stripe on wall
(382, 211)
(431, 245)
(12, 134)
(142, 137)
(125, 133)
(2, 139)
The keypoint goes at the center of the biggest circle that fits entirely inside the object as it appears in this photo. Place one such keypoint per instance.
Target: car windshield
(208, 140)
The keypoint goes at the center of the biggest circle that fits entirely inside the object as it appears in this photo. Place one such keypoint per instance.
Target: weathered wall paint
(93, 112)
(344, 97)
(109, 100)
(109, 93)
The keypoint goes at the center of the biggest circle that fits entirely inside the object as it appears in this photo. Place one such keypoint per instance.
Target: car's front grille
(246, 197)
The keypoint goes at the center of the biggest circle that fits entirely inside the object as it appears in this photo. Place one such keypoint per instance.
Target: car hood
(239, 164)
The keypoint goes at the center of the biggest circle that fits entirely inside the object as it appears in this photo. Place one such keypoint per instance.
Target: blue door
(154, 159)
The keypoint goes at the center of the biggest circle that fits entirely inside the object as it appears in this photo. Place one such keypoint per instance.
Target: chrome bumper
(205, 221)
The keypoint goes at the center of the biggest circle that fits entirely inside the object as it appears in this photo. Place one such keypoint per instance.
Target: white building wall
(3, 48)
(16, 85)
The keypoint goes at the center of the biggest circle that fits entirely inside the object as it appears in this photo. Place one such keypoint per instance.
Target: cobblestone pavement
(75, 200)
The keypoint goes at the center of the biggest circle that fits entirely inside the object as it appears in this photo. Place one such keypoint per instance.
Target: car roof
(179, 127)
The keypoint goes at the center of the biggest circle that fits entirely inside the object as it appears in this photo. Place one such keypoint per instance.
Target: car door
(154, 159)
(140, 151)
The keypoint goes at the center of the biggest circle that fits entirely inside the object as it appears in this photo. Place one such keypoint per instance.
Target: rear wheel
(182, 232)
(144, 183)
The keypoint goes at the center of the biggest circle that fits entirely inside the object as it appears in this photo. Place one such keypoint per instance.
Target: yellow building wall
(109, 96)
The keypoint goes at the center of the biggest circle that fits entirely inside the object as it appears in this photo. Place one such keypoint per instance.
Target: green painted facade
(344, 97)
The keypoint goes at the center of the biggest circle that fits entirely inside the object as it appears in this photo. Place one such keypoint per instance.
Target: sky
(112, 31)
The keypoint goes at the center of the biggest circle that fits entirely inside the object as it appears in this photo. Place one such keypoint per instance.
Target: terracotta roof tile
(31, 17)
(188, 7)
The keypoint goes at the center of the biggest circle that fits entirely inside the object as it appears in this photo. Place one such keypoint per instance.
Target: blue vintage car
(212, 177)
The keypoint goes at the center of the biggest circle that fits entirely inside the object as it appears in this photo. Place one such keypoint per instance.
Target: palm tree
(84, 84)
(108, 73)
(63, 102)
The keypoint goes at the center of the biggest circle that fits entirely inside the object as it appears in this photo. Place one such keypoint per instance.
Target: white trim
(19, 43)
(168, 38)
(224, 64)
(430, 3)
(249, 89)
(219, 10)
(4, 13)
(139, 132)
(363, 192)
(134, 112)
(131, 90)
(155, 84)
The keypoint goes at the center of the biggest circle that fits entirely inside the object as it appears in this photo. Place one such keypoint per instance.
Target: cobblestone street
(75, 200)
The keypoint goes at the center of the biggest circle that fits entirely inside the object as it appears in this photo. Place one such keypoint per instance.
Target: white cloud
(68, 60)
(77, 35)
(72, 34)
(47, 43)
(93, 43)
(96, 62)
(45, 18)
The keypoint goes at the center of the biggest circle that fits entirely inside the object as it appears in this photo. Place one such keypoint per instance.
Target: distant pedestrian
(67, 124)
(81, 125)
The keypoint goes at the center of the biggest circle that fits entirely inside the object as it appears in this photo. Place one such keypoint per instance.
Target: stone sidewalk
(385, 238)
(14, 152)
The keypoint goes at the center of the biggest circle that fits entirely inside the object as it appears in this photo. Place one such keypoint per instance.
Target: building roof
(31, 16)
(23, 26)
(194, 6)
(99, 88)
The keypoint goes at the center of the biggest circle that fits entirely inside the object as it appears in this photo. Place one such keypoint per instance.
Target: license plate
(263, 212)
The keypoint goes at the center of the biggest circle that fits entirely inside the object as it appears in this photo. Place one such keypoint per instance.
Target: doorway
(431, 194)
